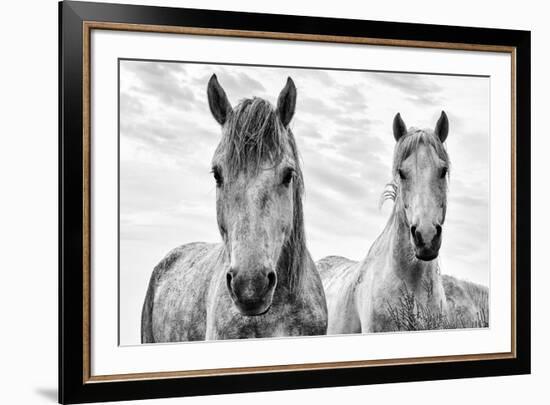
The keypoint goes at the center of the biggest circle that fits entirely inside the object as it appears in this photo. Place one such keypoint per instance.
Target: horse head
(258, 195)
(420, 169)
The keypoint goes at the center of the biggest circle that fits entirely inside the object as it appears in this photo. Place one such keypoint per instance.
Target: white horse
(260, 281)
(403, 260)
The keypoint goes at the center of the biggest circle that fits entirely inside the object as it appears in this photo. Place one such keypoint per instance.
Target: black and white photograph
(281, 201)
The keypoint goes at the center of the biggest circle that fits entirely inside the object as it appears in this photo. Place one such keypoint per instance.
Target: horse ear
(442, 127)
(399, 127)
(286, 104)
(218, 101)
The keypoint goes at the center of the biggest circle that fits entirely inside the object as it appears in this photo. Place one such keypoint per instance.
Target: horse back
(339, 277)
(328, 266)
(465, 297)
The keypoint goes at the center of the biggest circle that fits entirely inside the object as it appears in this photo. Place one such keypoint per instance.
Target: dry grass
(467, 308)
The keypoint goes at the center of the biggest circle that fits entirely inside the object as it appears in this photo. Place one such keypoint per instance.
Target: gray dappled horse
(260, 281)
(358, 293)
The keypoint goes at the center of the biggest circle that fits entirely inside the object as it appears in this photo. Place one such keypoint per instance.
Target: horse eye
(217, 176)
(287, 176)
(444, 172)
(402, 174)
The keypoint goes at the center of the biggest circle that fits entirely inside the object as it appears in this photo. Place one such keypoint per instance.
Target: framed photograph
(254, 202)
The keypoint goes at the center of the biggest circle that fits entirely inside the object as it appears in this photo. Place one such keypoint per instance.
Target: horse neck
(292, 262)
(403, 262)
(287, 269)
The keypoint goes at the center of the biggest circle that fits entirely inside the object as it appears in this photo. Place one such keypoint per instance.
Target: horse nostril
(438, 230)
(417, 237)
(229, 278)
(271, 279)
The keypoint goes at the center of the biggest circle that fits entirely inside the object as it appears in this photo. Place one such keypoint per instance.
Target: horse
(260, 280)
(467, 302)
(402, 262)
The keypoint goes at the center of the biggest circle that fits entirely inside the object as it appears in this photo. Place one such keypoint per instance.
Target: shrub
(408, 313)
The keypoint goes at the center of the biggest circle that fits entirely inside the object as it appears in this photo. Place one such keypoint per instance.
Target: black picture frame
(73, 387)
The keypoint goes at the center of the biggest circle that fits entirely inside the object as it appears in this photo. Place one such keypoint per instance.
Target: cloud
(307, 130)
(362, 123)
(428, 100)
(360, 138)
(178, 140)
(331, 217)
(335, 179)
(421, 89)
(409, 83)
(130, 105)
(471, 201)
(237, 84)
(316, 107)
(160, 80)
(352, 99)
(301, 77)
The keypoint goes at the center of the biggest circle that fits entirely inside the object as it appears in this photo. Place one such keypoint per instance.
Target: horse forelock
(408, 144)
(404, 148)
(252, 137)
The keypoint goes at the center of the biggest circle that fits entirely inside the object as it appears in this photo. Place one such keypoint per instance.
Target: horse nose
(426, 236)
(419, 240)
(249, 287)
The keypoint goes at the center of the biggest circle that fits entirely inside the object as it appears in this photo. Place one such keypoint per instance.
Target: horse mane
(404, 148)
(389, 193)
(252, 136)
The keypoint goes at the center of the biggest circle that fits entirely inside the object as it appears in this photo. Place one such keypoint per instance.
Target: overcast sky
(343, 130)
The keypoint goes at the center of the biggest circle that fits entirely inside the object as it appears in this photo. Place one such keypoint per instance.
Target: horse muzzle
(251, 292)
(426, 241)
